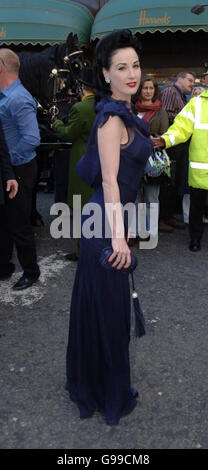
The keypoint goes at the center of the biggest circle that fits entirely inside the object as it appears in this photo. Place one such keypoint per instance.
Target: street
(169, 364)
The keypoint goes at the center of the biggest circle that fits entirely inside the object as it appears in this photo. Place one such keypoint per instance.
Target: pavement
(169, 364)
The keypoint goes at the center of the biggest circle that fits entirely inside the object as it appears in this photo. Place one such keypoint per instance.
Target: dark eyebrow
(124, 63)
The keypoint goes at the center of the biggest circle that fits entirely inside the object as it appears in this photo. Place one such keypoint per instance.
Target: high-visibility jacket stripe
(198, 124)
(184, 128)
(199, 165)
(188, 114)
(172, 138)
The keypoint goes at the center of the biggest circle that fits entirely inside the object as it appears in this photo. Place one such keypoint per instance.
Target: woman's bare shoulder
(114, 124)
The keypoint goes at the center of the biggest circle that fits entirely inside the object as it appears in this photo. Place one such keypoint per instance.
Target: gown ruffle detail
(88, 167)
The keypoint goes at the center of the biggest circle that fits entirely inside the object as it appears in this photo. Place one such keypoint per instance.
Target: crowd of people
(113, 130)
(158, 106)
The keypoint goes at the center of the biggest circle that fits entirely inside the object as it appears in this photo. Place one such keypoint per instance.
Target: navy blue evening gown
(98, 371)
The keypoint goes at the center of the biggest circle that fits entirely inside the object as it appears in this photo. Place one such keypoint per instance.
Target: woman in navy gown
(98, 371)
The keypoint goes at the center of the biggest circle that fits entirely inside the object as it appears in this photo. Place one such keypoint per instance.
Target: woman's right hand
(121, 254)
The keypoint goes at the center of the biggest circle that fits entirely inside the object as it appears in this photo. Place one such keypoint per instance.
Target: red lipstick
(131, 84)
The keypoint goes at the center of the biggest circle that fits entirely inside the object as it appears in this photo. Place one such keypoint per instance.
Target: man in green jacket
(192, 122)
(77, 131)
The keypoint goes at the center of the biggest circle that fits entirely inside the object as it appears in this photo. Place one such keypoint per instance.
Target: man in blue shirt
(20, 127)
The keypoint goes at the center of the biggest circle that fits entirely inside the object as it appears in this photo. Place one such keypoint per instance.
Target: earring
(107, 79)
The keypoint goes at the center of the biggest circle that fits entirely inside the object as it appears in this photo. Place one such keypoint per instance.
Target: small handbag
(107, 252)
(139, 316)
(158, 164)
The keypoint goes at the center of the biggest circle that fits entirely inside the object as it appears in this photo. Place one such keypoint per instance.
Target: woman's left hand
(121, 255)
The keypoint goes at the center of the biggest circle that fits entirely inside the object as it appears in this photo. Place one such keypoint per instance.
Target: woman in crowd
(98, 370)
(149, 108)
(149, 105)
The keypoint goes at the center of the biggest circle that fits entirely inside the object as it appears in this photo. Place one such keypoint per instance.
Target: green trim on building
(43, 21)
(148, 16)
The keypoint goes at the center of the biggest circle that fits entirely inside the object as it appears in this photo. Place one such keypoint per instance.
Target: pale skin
(12, 188)
(147, 92)
(6, 78)
(186, 84)
(125, 76)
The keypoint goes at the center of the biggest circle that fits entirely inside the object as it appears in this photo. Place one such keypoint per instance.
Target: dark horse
(48, 75)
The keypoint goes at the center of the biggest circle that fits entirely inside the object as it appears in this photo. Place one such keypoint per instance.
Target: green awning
(43, 21)
(149, 15)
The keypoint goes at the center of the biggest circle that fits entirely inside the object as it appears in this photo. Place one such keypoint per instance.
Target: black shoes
(195, 245)
(25, 282)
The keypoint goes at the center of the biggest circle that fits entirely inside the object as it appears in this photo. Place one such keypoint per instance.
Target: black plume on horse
(36, 68)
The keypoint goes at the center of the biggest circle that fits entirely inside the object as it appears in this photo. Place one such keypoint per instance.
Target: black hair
(104, 51)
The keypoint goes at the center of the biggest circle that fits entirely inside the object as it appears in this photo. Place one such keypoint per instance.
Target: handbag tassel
(139, 317)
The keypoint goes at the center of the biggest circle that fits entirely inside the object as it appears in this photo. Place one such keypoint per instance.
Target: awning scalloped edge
(37, 43)
(172, 30)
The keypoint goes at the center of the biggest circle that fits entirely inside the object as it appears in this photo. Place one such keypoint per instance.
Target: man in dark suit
(8, 184)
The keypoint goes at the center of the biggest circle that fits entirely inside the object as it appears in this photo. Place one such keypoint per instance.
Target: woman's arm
(109, 141)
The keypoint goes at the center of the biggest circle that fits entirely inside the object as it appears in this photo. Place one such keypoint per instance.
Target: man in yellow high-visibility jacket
(192, 122)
